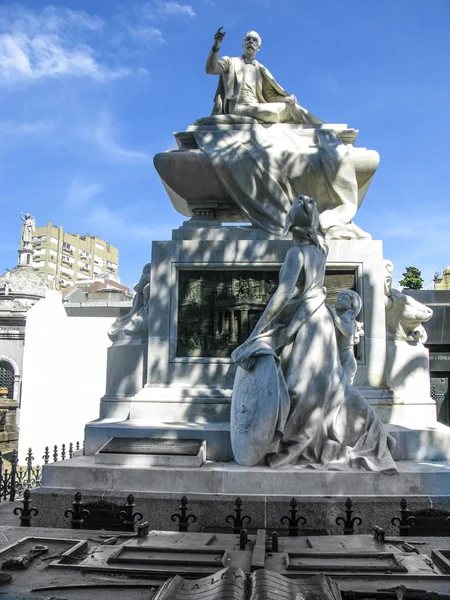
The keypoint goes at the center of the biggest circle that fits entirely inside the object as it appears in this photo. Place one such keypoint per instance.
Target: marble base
(414, 477)
(212, 491)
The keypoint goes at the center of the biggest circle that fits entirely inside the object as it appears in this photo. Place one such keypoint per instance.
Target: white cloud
(145, 33)
(161, 11)
(139, 18)
(13, 128)
(116, 224)
(174, 9)
(103, 135)
(78, 193)
(53, 42)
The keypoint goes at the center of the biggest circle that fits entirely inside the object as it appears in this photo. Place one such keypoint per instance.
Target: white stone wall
(64, 374)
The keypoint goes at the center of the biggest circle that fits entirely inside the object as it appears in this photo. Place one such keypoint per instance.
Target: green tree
(412, 279)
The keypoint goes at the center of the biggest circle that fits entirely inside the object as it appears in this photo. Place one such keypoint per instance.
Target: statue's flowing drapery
(323, 421)
(265, 168)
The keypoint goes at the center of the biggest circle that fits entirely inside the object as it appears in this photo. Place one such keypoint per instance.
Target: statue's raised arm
(248, 89)
(212, 62)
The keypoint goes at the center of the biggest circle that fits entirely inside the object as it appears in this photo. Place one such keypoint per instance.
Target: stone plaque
(152, 446)
(217, 310)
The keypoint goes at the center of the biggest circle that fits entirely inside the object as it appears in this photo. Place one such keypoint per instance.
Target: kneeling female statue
(292, 401)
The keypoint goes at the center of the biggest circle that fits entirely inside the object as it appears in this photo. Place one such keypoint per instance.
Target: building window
(7, 377)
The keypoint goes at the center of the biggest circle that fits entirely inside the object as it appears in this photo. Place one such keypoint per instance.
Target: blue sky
(90, 90)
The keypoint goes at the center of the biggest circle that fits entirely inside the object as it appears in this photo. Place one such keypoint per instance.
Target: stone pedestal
(188, 389)
(192, 183)
(407, 373)
(125, 376)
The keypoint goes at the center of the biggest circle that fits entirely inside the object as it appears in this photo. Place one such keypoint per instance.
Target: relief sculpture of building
(218, 310)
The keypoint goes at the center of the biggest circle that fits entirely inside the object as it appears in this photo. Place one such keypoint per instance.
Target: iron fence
(16, 478)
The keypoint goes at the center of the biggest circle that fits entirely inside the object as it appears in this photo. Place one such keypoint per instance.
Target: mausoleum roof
(22, 281)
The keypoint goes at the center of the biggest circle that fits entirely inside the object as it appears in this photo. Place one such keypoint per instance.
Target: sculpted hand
(291, 100)
(218, 37)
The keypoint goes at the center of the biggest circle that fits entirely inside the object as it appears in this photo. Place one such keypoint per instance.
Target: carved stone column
(233, 331)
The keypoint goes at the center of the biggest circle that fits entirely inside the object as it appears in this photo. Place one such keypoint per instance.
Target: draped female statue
(292, 402)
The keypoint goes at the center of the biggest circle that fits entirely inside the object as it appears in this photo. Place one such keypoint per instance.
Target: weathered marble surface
(192, 395)
(136, 321)
(254, 411)
(407, 359)
(214, 480)
(322, 162)
(323, 421)
(127, 357)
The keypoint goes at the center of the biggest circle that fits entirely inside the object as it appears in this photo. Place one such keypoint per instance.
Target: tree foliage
(412, 279)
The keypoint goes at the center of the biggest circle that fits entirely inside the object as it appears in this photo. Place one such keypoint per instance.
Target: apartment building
(66, 258)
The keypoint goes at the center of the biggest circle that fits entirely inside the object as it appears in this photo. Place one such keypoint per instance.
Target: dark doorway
(439, 393)
(7, 377)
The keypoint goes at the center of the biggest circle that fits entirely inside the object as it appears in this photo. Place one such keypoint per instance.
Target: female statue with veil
(292, 402)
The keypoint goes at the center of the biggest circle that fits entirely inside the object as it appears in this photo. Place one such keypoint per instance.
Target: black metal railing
(15, 478)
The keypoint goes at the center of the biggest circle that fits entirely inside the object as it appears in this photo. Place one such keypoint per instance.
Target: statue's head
(303, 213)
(251, 42)
(348, 300)
(304, 223)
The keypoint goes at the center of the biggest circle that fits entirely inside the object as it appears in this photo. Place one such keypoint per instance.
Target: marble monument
(260, 149)
(245, 340)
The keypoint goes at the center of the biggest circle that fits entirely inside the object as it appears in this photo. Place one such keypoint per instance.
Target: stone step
(430, 442)
(413, 478)
(216, 435)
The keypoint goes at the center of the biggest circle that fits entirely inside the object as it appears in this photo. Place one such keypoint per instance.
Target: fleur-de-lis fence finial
(405, 520)
(27, 512)
(127, 517)
(349, 522)
(182, 517)
(292, 520)
(77, 513)
(238, 521)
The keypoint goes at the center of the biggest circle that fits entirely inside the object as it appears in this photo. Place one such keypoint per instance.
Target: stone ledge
(413, 478)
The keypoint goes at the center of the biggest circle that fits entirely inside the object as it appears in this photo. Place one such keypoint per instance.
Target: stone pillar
(216, 324)
(233, 333)
(244, 323)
